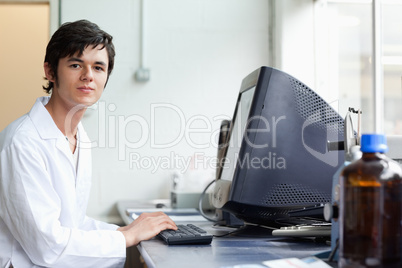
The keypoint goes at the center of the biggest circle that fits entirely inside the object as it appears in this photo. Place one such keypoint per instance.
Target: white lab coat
(43, 200)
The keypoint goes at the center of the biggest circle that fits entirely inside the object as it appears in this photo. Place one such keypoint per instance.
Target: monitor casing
(283, 163)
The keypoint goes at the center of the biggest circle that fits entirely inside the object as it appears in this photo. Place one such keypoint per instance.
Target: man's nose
(87, 74)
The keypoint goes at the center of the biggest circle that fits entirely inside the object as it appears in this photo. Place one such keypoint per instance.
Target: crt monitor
(275, 159)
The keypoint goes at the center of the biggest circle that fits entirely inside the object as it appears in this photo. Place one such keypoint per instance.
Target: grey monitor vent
(314, 109)
(291, 194)
(272, 213)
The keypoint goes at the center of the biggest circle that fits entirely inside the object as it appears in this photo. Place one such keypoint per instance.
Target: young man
(45, 169)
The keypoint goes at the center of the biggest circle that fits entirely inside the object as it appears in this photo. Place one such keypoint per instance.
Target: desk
(223, 251)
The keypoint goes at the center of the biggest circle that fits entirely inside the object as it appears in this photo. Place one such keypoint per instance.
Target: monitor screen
(275, 159)
(236, 133)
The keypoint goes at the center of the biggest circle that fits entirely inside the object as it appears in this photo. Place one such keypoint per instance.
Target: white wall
(197, 52)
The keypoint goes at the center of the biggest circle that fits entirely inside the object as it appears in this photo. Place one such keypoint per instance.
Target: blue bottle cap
(373, 143)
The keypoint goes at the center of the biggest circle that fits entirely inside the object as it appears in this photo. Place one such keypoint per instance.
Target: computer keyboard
(186, 234)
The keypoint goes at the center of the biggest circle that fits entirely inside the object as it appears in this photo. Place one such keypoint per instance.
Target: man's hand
(146, 226)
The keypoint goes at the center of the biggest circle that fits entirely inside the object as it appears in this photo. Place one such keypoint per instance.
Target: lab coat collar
(43, 121)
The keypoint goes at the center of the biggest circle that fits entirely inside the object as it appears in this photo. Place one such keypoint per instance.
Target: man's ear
(49, 74)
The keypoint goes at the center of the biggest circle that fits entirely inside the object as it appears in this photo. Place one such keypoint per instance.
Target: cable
(200, 203)
(232, 232)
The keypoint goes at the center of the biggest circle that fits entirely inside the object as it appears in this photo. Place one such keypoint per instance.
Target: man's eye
(98, 68)
(75, 66)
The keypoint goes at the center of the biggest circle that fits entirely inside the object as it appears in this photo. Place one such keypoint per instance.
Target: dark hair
(73, 37)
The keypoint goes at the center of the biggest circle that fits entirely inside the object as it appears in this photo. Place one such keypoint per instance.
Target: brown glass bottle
(371, 209)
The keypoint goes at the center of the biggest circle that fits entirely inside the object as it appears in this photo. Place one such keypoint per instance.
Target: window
(392, 64)
(346, 31)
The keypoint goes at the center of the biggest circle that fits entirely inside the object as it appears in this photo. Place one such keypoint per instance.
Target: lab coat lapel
(84, 156)
(47, 129)
(62, 145)
(84, 168)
